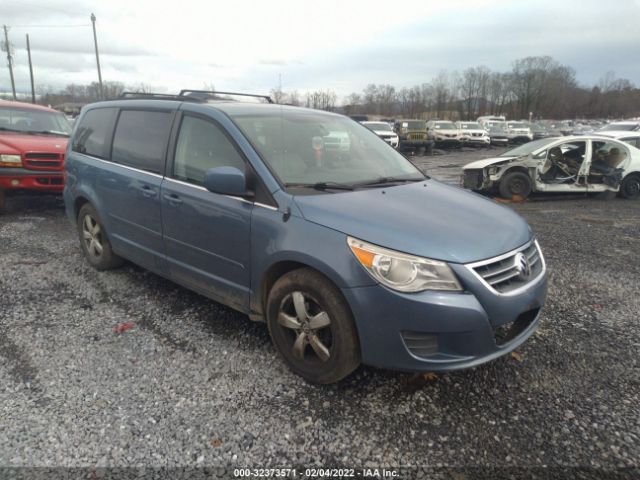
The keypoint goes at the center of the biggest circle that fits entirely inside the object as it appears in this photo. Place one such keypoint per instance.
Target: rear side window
(140, 139)
(202, 145)
(93, 134)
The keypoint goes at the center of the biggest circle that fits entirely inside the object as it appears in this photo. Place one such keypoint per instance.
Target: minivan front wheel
(312, 327)
(515, 184)
(93, 240)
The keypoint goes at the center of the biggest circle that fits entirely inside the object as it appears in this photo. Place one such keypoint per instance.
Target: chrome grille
(507, 273)
(417, 136)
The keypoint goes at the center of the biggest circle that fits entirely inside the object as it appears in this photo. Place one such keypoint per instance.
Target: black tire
(92, 235)
(630, 188)
(2, 199)
(326, 354)
(515, 183)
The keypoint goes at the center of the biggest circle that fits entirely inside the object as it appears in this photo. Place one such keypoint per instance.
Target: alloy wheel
(309, 327)
(92, 236)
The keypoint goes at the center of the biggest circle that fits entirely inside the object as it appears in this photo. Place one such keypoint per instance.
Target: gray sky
(341, 45)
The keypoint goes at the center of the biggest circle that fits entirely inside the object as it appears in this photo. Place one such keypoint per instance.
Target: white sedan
(565, 164)
(384, 131)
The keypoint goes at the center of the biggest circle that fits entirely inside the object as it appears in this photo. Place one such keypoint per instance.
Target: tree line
(539, 87)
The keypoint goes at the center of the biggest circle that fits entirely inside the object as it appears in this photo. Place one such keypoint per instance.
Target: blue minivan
(308, 221)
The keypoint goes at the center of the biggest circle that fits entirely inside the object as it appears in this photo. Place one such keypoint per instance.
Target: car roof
(25, 106)
(620, 133)
(229, 107)
(575, 138)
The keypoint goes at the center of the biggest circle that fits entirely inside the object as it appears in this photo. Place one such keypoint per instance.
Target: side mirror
(226, 181)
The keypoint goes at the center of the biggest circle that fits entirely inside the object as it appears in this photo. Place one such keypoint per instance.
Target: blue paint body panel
(223, 246)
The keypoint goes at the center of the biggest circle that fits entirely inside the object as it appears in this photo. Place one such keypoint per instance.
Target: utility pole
(33, 91)
(95, 42)
(7, 47)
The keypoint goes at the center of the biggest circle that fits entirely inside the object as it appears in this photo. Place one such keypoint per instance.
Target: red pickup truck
(33, 140)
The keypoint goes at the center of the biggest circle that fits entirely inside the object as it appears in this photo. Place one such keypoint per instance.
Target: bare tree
(321, 99)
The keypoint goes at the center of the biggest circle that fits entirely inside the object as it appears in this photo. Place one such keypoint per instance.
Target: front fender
(280, 238)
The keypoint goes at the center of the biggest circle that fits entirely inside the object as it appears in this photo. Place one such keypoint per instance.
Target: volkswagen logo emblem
(521, 264)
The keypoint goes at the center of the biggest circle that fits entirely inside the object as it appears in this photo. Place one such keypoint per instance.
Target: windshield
(470, 126)
(305, 148)
(27, 120)
(415, 124)
(378, 126)
(627, 127)
(527, 148)
(445, 126)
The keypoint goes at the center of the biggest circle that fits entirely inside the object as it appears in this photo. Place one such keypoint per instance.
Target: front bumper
(447, 142)
(517, 137)
(393, 141)
(22, 179)
(475, 140)
(443, 331)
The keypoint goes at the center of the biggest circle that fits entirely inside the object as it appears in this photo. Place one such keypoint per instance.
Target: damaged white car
(567, 164)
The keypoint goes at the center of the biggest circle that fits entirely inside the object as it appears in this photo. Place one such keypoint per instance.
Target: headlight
(401, 271)
(10, 161)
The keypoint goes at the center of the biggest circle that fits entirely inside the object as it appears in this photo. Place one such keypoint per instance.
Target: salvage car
(629, 126)
(568, 164)
(445, 133)
(518, 132)
(384, 131)
(471, 133)
(498, 135)
(32, 144)
(338, 255)
(413, 135)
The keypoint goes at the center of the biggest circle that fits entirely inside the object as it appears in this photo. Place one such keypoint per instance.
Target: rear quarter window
(93, 134)
(141, 138)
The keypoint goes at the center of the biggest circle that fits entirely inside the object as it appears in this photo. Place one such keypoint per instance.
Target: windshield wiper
(388, 181)
(321, 186)
(47, 132)
(5, 129)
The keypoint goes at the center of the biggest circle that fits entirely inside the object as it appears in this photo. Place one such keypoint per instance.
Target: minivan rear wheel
(94, 241)
(515, 184)
(312, 327)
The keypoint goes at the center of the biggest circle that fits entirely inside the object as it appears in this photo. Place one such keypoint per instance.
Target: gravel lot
(197, 384)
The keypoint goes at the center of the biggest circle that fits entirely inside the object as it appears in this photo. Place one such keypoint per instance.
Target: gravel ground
(197, 384)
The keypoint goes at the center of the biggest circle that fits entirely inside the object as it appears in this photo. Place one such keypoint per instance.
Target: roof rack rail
(184, 93)
(160, 96)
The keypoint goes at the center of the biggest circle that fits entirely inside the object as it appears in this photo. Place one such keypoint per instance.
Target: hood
(428, 219)
(386, 133)
(475, 130)
(487, 161)
(18, 143)
(445, 131)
